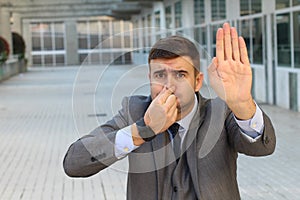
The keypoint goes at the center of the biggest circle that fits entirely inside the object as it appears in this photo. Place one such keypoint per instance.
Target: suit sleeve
(95, 151)
(264, 145)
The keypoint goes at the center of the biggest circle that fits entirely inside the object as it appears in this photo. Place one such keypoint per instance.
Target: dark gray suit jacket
(212, 144)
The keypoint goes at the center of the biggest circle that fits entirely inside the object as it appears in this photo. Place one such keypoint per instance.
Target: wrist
(243, 110)
(145, 132)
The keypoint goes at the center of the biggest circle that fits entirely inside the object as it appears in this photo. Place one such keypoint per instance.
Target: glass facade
(218, 10)
(48, 48)
(252, 32)
(282, 4)
(296, 32)
(249, 7)
(199, 12)
(102, 41)
(178, 14)
(283, 40)
(168, 13)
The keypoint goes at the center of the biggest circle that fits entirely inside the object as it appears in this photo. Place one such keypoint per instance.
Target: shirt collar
(186, 121)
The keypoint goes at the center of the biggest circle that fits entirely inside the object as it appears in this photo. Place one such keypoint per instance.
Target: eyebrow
(164, 70)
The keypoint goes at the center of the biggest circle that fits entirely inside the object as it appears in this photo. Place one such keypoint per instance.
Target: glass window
(282, 4)
(244, 7)
(178, 15)
(59, 36)
(257, 41)
(157, 20)
(296, 28)
(245, 32)
(60, 59)
(255, 6)
(149, 30)
(59, 43)
(214, 29)
(200, 37)
(249, 7)
(251, 30)
(94, 36)
(199, 11)
(82, 30)
(37, 60)
(48, 59)
(47, 36)
(283, 40)
(296, 2)
(36, 43)
(144, 31)
(218, 10)
(168, 13)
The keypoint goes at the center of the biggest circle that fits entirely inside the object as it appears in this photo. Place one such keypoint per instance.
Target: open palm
(230, 72)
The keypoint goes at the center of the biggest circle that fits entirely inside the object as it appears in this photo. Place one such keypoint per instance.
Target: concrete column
(268, 7)
(232, 9)
(188, 17)
(5, 30)
(17, 24)
(28, 41)
(71, 42)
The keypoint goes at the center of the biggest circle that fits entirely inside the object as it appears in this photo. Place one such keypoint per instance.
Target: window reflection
(199, 11)
(283, 40)
(296, 27)
(218, 10)
(178, 15)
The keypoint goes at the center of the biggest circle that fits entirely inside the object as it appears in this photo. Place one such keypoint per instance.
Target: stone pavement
(44, 110)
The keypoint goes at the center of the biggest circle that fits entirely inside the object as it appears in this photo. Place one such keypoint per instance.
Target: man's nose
(170, 82)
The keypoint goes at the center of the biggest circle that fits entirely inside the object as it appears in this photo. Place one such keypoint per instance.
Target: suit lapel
(192, 139)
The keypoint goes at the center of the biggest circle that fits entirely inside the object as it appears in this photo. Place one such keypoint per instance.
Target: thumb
(213, 65)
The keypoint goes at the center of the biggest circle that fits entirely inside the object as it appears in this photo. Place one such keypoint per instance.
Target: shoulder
(212, 106)
(136, 105)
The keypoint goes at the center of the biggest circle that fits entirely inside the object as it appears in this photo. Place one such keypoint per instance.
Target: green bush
(4, 50)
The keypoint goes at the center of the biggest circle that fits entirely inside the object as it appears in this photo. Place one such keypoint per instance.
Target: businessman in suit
(179, 144)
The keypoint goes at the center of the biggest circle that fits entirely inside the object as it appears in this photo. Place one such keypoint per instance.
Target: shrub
(4, 50)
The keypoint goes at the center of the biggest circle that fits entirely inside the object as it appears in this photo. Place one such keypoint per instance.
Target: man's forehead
(174, 63)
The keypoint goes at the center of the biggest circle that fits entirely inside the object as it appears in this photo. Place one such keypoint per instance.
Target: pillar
(72, 57)
(5, 30)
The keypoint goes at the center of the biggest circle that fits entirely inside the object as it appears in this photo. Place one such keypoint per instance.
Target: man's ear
(198, 81)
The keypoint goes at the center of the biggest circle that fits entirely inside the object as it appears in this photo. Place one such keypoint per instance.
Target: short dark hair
(173, 47)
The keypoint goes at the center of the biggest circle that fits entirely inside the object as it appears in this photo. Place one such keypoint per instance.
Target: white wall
(282, 88)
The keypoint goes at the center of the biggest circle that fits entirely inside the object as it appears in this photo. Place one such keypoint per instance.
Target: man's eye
(180, 75)
(159, 75)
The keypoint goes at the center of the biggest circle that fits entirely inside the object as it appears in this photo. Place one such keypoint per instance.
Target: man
(200, 161)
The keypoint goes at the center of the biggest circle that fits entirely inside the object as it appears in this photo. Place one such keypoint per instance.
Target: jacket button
(267, 140)
(175, 189)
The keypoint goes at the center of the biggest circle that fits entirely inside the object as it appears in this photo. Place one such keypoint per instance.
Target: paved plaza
(44, 110)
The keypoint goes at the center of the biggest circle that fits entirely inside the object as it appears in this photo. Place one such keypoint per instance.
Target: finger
(174, 112)
(163, 95)
(220, 45)
(235, 44)
(171, 102)
(227, 42)
(243, 51)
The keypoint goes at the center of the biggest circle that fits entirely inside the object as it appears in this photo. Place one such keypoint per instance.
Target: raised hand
(230, 72)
